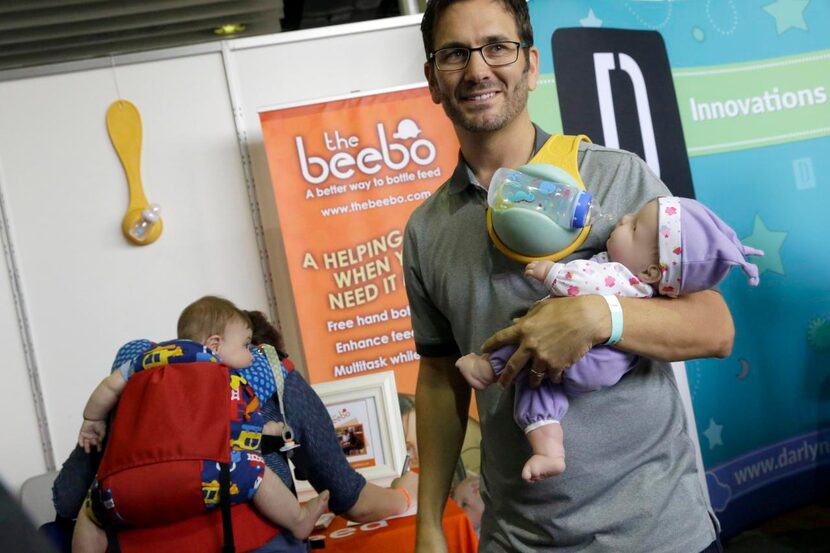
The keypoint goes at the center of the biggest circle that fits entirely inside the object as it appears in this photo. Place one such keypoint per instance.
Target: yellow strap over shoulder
(560, 150)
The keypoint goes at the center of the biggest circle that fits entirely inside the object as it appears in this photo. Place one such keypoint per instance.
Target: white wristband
(616, 319)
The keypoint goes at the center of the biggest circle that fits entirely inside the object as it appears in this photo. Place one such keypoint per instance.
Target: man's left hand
(554, 334)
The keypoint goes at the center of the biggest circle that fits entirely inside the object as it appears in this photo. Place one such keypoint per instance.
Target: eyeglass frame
(520, 44)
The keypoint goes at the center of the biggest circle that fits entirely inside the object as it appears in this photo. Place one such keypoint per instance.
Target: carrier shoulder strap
(561, 150)
(276, 367)
(225, 505)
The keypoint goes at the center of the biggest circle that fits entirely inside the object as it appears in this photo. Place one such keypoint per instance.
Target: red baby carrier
(169, 421)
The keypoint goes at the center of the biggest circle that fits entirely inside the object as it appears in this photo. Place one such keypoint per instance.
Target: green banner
(734, 107)
(744, 105)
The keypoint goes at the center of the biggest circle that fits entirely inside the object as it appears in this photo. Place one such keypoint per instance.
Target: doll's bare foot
(310, 512)
(476, 370)
(548, 458)
(541, 467)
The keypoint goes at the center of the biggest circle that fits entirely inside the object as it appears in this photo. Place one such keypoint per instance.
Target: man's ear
(651, 275)
(533, 67)
(214, 343)
(429, 73)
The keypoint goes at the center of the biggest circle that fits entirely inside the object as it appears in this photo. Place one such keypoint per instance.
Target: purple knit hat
(696, 248)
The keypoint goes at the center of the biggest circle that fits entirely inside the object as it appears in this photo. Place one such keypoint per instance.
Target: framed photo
(366, 417)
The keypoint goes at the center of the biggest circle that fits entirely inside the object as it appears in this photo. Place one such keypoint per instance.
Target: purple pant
(600, 368)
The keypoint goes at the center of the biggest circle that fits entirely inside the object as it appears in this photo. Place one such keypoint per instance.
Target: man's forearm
(442, 400)
(688, 327)
(558, 332)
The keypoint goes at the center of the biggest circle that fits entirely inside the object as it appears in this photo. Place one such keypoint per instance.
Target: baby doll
(674, 245)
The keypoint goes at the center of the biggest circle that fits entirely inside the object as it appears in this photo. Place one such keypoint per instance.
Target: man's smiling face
(480, 98)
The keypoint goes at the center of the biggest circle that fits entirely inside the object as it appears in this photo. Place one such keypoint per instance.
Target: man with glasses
(629, 487)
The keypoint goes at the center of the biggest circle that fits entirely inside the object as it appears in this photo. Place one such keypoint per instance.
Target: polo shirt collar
(463, 176)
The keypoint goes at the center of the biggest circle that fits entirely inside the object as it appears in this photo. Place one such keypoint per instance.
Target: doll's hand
(476, 370)
(538, 270)
(92, 434)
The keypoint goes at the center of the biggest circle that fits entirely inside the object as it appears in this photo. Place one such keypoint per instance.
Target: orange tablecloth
(398, 535)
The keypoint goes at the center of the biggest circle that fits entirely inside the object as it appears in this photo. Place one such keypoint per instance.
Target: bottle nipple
(586, 211)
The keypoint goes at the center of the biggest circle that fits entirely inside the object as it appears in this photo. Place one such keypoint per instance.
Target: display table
(204, 533)
(398, 534)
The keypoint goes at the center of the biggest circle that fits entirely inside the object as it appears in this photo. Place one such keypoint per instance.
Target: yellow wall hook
(142, 224)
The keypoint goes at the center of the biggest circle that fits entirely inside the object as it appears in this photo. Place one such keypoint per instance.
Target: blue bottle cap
(581, 209)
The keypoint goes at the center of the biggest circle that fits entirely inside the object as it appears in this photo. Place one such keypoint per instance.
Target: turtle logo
(407, 128)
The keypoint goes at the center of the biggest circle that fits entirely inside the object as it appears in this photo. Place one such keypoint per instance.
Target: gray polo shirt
(631, 482)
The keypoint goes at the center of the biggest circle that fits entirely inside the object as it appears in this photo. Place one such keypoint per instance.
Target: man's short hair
(208, 316)
(435, 8)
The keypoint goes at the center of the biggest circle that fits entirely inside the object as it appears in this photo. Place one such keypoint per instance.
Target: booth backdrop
(751, 81)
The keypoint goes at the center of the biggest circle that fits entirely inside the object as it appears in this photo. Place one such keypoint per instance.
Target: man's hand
(555, 334)
(92, 434)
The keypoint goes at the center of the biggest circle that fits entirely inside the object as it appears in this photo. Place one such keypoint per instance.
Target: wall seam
(25, 332)
(253, 202)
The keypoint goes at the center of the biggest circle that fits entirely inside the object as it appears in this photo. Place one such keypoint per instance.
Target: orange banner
(346, 175)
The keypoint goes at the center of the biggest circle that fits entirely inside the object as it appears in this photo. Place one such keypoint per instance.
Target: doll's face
(633, 242)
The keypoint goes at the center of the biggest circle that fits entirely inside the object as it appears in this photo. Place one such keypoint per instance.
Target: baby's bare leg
(547, 442)
(276, 502)
(88, 537)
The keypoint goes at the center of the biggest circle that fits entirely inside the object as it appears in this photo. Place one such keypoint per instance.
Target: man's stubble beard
(514, 105)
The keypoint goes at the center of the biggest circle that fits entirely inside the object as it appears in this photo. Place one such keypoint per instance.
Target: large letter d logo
(616, 86)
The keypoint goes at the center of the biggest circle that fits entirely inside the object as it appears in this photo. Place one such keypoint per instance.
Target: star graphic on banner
(713, 433)
(788, 14)
(769, 241)
(590, 20)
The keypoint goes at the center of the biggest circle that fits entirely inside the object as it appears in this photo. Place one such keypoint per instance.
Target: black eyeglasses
(495, 54)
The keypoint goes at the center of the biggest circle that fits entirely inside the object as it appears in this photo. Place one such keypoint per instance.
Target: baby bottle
(562, 202)
(149, 217)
